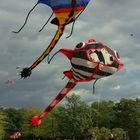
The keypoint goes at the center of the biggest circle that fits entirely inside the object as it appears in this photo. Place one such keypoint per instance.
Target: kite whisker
(25, 19)
(46, 22)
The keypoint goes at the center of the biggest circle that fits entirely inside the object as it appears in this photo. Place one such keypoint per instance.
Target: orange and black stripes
(50, 47)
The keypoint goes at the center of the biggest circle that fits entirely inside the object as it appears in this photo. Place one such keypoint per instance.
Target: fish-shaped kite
(66, 11)
(90, 61)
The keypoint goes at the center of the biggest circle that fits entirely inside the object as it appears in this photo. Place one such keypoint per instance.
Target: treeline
(75, 120)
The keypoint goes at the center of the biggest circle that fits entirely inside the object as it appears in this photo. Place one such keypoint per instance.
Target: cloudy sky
(110, 21)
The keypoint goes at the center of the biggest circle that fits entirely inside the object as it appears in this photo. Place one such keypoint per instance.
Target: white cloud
(116, 87)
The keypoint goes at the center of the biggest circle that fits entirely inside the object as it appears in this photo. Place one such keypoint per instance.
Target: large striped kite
(66, 11)
(90, 61)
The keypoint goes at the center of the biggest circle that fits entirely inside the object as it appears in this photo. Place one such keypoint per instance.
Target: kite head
(35, 121)
(92, 60)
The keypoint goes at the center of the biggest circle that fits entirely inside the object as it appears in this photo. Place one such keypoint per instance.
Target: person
(111, 137)
(124, 137)
(92, 137)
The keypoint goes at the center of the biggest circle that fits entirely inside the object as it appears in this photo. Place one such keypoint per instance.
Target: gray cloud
(108, 21)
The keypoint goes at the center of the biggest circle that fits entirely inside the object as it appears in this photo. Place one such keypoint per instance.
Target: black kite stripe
(115, 64)
(100, 56)
(80, 74)
(86, 69)
(81, 55)
(60, 96)
(102, 73)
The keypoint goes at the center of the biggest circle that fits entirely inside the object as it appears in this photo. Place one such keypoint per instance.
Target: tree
(26, 126)
(75, 117)
(14, 119)
(128, 116)
(103, 114)
(2, 123)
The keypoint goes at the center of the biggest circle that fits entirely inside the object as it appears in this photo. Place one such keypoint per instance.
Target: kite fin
(36, 120)
(67, 52)
(68, 74)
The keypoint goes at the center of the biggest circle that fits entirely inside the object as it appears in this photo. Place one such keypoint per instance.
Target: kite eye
(80, 45)
(111, 58)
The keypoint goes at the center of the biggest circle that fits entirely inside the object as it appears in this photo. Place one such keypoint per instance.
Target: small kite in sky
(10, 82)
(90, 61)
(66, 11)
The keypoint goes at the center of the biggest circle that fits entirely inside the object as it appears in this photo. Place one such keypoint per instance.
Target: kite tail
(36, 120)
(27, 71)
(26, 19)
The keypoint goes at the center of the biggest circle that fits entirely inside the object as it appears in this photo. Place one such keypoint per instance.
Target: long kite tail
(27, 71)
(36, 120)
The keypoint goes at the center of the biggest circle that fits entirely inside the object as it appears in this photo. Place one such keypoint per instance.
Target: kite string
(98, 101)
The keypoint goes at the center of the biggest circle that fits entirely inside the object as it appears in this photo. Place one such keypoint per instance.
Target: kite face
(92, 61)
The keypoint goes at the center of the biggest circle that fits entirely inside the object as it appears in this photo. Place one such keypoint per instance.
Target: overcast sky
(109, 21)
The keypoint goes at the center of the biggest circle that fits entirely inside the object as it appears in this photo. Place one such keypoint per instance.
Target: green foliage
(118, 133)
(76, 119)
(104, 133)
(128, 116)
(3, 123)
(103, 114)
(14, 120)
(26, 127)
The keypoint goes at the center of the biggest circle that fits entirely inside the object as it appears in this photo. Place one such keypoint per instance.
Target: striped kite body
(91, 61)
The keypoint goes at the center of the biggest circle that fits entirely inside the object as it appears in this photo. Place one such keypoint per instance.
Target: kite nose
(120, 66)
